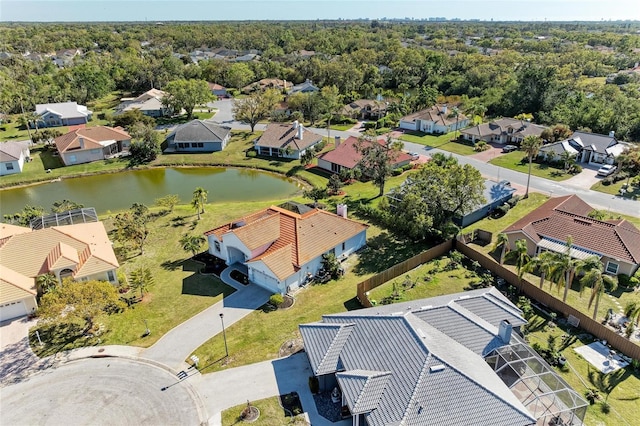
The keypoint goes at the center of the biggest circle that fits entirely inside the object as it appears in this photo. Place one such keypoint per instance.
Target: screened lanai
(543, 392)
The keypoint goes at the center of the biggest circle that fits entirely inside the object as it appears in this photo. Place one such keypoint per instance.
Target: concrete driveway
(585, 179)
(253, 382)
(103, 391)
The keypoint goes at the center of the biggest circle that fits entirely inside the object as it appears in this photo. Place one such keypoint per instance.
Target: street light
(224, 335)
(146, 331)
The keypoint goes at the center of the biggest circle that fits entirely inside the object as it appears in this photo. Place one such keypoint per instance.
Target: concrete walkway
(253, 382)
(174, 347)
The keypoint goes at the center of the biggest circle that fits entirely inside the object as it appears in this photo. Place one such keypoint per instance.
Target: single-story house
(89, 144)
(437, 119)
(502, 130)
(595, 148)
(218, 90)
(365, 109)
(286, 140)
(149, 103)
(13, 156)
(554, 151)
(306, 87)
(268, 83)
(198, 136)
(62, 114)
(82, 252)
(452, 360)
(495, 195)
(282, 245)
(346, 156)
(615, 242)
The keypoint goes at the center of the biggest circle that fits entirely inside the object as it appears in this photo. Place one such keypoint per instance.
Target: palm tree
(476, 109)
(598, 281)
(542, 263)
(199, 200)
(521, 256)
(530, 145)
(564, 268)
(586, 265)
(141, 278)
(632, 311)
(455, 112)
(46, 282)
(192, 243)
(502, 241)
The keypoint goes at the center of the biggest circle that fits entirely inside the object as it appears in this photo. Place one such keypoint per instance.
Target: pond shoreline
(302, 181)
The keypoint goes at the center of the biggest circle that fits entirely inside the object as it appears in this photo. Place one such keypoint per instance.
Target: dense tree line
(508, 68)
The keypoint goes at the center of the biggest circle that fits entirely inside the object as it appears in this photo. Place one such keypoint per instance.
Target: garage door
(12, 310)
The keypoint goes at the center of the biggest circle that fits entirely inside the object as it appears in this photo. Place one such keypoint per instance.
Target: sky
(220, 10)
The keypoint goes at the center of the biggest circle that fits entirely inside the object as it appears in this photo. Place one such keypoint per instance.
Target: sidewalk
(174, 347)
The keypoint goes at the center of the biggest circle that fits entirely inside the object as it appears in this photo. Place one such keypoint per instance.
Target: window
(335, 168)
(612, 268)
(9, 166)
(111, 276)
(194, 145)
(217, 246)
(344, 245)
(200, 144)
(73, 159)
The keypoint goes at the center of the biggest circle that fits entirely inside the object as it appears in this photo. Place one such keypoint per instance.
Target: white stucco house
(437, 119)
(13, 155)
(281, 245)
(62, 114)
(286, 140)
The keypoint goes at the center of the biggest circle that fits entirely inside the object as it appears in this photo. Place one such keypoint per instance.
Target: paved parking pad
(102, 391)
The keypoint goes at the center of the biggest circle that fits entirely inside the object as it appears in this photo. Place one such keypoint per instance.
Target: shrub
(314, 384)
(370, 125)
(397, 172)
(276, 299)
(607, 181)
(481, 146)
(514, 200)
(575, 169)
(320, 146)
(622, 175)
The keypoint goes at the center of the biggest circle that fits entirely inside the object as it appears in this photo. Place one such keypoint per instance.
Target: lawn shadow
(172, 265)
(383, 251)
(50, 161)
(197, 284)
(352, 304)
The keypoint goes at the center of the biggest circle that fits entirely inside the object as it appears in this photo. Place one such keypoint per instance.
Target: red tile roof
(92, 136)
(301, 237)
(567, 216)
(347, 155)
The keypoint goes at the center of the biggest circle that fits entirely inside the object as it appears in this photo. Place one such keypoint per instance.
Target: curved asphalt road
(597, 199)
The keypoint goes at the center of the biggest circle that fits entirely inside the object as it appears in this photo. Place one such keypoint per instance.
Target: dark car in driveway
(509, 148)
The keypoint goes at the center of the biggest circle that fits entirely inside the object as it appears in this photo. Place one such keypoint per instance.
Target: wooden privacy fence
(399, 269)
(620, 343)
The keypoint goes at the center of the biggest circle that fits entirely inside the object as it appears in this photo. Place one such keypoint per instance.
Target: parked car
(509, 148)
(606, 170)
(414, 155)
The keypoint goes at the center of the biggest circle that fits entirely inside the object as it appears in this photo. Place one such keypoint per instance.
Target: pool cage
(543, 392)
(69, 217)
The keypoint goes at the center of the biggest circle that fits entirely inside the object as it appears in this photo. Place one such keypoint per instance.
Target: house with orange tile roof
(286, 140)
(547, 228)
(82, 252)
(282, 245)
(346, 156)
(85, 145)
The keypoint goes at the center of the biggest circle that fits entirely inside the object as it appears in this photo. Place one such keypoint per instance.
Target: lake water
(118, 191)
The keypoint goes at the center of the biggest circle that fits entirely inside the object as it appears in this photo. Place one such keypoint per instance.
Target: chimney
(295, 124)
(300, 131)
(444, 109)
(612, 134)
(341, 210)
(337, 141)
(504, 331)
(81, 142)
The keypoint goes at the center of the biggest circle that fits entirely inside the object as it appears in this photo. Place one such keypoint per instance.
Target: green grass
(632, 193)
(427, 140)
(419, 284)
(341, 127)
(513, 159)
(623, 398)
(271, 413)
(524, 207)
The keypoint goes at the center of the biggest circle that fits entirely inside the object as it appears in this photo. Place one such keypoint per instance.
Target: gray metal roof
(493, 310)
(362, 389)
(595, 142)
(199, 131)
(433, 378)
(64, 109)
(323, 343)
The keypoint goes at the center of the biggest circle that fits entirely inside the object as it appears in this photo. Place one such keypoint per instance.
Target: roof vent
(436, 368)
(421, 333)
(397, 313)
(426, 307)
(238, 224)
(464, 297)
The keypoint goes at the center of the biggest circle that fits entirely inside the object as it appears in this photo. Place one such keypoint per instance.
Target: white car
(606, 170)
(414, 155)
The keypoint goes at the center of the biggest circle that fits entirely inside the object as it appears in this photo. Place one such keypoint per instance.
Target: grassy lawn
(271, 413)
(524, 207)
(623, 398)
(632, 193)
(420, 284)
(426, 139)
(341, 127)
(513, 159)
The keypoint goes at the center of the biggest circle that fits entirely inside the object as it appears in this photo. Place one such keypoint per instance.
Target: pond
(118, 191)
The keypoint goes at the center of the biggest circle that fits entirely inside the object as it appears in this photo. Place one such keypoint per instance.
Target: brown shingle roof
(501, 126)
(284, 135)
(347, 155)
(566, 216)
(300, 239)
(436, 115)
(92, 137)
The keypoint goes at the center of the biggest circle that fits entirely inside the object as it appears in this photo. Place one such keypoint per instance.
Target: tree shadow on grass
(172, 265)
(50, 161)
(202, 285)
(59, 337)
(383, 251)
